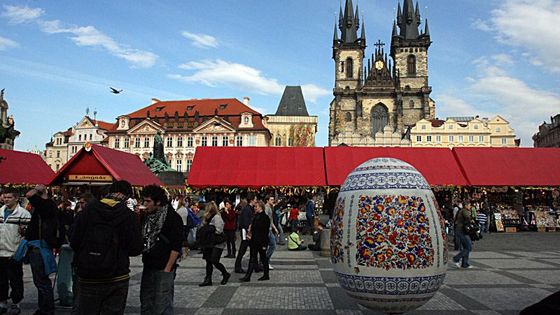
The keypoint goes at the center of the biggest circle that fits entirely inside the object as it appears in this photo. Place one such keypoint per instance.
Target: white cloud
(481, 25)
(312, 92)
(17, 15)
(201, 40)
(6, 43)
(90, 36)
(530, 24)
(495, 92)
(220, 72)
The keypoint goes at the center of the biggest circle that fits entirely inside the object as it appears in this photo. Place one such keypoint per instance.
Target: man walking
(13, 220)
(268, 209)
(104, 236)
(464, 217)
(245, 219)
(258, 236)
(162, 230)
(42, 236)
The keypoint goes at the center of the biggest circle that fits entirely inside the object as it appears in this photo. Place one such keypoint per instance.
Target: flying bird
(115, 91)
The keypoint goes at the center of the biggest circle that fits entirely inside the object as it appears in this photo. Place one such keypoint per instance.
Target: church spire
(335, 35)
(395, 34)
(408, 20)
(426, 29)
(347, 24)
(363, 36)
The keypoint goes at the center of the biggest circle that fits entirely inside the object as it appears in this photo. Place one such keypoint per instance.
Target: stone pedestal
(326, 242)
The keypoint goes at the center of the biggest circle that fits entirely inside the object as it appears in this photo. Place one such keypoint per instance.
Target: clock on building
(379, 65)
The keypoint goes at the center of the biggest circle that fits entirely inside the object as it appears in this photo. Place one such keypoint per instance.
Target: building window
(411, 65)
(214, 141)
(471, 139)
(57, 167)
(411, 104)
(180, 142)
(189, 165)
(418, 138)
(126, 143)
(438, 139)
(451, 138)
(50, 154)
(225, 141)
(349, 68)
(423, 127)
(90, 136)
(429, 138)
(278, 141)
(498, 129)
(481, 139)
(137, 142)
(239, 141)
(58, 154)
(504, 141)
(190, 142)
(179, 166)
(204, 141)
(79, 137)
(117, 143)
(461, 139)
(169, 142)
(252, 141)
(290, 142)
(146, 142)
(450, 127)
(475, 126)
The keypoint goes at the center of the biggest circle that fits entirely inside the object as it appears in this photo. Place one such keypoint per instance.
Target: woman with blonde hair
(212, 243)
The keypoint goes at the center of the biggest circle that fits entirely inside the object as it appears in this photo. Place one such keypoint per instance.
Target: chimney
(246, 100)
(155, 100)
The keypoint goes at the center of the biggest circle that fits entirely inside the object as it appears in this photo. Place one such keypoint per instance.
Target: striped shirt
(481, 218)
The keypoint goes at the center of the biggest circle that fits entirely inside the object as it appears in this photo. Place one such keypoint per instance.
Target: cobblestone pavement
(511, 271)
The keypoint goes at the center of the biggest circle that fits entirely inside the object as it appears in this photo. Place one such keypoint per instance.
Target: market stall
(23, 169)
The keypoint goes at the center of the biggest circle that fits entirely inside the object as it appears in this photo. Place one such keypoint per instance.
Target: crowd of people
(102, 234)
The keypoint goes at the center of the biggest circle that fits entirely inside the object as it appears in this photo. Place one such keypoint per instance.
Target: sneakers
(457, 264)
(263, 278)
(270, 267)
(467, 267)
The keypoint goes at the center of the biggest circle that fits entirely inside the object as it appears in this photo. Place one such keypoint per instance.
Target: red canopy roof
(105, 161)
(438, 165)
(257, 166)
(510, 166)
(23, 168)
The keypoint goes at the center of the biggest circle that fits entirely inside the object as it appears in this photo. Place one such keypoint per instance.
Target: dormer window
(223, 106)
(246, 119)
(190, 107)
(159, 108)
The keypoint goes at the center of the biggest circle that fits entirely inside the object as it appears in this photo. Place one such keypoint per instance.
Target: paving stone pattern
(505, 279)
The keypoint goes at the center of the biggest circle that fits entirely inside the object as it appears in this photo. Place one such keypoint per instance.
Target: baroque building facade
(548, 135)
(188, 124)
(463, 132)
(65, 144)
(291, 125)
(377, 102)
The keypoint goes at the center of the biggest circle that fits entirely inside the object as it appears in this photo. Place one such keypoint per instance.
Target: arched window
(348, 117)
(379, 117)
(411, 64)
(411, 104)
(278, 141)
(349, 68)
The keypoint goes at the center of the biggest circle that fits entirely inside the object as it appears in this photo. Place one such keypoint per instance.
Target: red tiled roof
(437, 122)
(205, 107)
(23, 168)
(105, 125)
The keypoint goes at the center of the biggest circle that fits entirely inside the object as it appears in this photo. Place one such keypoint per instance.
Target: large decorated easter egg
(388, 242)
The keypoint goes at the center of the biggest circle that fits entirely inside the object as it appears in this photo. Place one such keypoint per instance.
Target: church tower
(348, 54)
(378, 100)
(409, 50)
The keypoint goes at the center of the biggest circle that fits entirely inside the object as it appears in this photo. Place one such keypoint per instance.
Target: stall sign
(91, 178)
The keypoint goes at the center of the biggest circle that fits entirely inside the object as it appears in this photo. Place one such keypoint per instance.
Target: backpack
(98, 255)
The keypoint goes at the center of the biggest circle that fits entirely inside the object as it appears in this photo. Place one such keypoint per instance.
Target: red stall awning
(438, 165)
(257, 166)
(510, 166)
(103, 165)
(22, 168)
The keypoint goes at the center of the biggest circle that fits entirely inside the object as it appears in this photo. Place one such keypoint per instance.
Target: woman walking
(229, 215)
(212, 244)
(258, 238)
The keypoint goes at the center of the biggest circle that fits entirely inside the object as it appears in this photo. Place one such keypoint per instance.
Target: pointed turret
(357, 18)
(399, 15)
(395, 33)
(426, 29)
(335, 35)
(409, 20)
(417, 14)
(348, 26)
(363, 36)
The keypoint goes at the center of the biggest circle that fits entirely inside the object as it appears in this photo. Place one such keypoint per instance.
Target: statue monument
(8, 133)
(159, 165)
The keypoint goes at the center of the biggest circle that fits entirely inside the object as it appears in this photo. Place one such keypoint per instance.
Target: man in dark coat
(244, 220)
(258, 235)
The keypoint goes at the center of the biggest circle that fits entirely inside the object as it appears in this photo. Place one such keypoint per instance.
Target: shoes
(467, 267)
(240, 270)
(207, 282)
(263, 278)
(270, 267)
(457, 264)
(245, 279)
(225, 278)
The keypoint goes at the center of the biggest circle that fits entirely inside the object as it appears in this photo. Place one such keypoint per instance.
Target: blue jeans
(466, 248)
(271, 245)
(156, 292)
(42, 282)
(281, 236)
(102, 298)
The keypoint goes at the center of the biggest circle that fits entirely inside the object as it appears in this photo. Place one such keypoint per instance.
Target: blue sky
(59, 57)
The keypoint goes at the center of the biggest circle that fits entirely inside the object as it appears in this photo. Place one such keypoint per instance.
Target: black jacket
(126, 223)
(46, 212)
(172, 240)
(245, 217)
(260, 229)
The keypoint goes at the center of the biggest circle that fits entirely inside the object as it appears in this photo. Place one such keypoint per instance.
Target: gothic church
(377, 103)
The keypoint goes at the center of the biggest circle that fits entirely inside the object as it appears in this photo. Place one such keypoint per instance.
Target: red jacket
(230, 220)
(294, 214)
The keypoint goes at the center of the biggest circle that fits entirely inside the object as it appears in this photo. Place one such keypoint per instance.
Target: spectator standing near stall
(258, 235)
(310, 213)
(463, 218)
(245, 220)
(229, 216)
